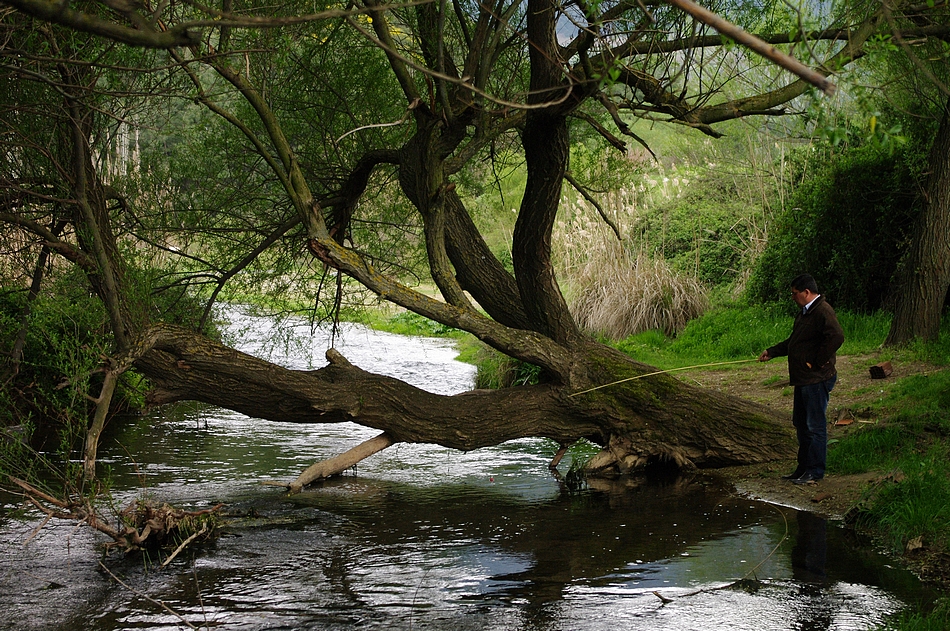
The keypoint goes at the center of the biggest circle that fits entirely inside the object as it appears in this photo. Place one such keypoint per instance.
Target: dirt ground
(849, 409)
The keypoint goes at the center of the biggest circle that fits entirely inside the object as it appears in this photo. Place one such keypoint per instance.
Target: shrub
(709, 231)
(63, 347)
(845, 225)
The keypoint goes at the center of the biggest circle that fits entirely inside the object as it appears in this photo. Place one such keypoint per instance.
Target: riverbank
(858, 402)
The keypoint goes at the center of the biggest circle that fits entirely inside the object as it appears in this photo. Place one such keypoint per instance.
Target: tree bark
(925, 271)
(546, 145)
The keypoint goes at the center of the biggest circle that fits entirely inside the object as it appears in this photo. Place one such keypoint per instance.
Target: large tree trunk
(925, 272)
(636, 422)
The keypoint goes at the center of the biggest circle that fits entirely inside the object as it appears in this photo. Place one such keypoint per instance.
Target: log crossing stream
(425, 538)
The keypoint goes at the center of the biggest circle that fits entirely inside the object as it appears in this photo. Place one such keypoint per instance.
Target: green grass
(409, 323)
(872, 449)
(733, 332)
(918, 506)
(938, 619)
(912, 443)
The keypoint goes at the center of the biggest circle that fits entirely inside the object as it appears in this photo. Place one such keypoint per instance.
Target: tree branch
(745, 38)
(59, 13)
(340, 463)
(600, 211)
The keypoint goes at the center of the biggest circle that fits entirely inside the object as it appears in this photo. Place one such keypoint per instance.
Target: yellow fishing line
(660, 372)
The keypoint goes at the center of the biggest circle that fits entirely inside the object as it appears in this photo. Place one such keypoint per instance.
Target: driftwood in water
(141, 524)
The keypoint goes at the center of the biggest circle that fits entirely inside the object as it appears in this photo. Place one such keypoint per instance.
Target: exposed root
(559, 456)
(144, 524)
(622, 457)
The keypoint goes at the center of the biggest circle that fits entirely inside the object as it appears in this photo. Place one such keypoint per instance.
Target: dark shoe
(791, 476)
(807, 477)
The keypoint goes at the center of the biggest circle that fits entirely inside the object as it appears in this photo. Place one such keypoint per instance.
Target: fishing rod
(660, 372)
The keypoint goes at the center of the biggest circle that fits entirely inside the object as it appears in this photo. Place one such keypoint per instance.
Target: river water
(421, 537)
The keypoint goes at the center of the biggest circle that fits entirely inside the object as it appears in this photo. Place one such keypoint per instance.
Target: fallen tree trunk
(636, 422)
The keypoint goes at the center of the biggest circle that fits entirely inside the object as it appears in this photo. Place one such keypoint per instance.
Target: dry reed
(621, 295)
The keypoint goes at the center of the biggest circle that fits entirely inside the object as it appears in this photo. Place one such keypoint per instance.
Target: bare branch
(341, 462)
(600, 211)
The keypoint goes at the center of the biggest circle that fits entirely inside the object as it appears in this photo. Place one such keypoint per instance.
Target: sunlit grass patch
(733, 333)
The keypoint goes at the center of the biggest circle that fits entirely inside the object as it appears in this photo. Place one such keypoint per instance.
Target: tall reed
(618, 294)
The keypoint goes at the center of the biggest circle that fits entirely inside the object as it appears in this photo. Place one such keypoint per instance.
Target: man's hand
(764, 357)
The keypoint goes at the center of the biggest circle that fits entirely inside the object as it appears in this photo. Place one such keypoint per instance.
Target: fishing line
(660, 372)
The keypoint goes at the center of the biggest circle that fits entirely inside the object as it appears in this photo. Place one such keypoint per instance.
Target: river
(421, 537)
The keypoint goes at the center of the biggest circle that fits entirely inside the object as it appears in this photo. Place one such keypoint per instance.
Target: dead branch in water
(140, 524)
(160, 603)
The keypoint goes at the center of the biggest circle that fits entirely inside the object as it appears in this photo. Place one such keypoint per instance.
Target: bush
(67, 335)
(495, 370)
(846, 225)
(707, 232)
(63, 347)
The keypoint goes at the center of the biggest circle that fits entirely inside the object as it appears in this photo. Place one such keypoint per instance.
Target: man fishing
(816, 337)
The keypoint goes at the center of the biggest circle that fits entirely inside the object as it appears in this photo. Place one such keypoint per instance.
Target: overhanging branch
(754, 43)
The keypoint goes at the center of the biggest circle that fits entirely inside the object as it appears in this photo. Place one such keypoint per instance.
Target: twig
(148, 598)
(32, 491)
(37, 530)
(590, 198)
(204, 529)
(201, 603)
(402, 120)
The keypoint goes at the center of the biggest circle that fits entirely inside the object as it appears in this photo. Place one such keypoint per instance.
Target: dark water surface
(421, 537)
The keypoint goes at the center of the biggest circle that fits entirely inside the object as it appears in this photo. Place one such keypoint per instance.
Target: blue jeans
(808, 416)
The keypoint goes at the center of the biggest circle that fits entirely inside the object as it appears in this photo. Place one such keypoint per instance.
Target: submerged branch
(339, 464)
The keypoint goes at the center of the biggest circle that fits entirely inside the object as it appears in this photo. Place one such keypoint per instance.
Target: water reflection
(381, 554)
(811, 549)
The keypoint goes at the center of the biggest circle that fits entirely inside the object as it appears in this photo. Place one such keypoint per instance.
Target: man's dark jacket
(815, 338)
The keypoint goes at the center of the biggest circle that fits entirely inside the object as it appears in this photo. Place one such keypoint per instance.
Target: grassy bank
(908, 510)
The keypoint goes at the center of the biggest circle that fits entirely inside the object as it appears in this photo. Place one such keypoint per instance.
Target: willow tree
(329, 107)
